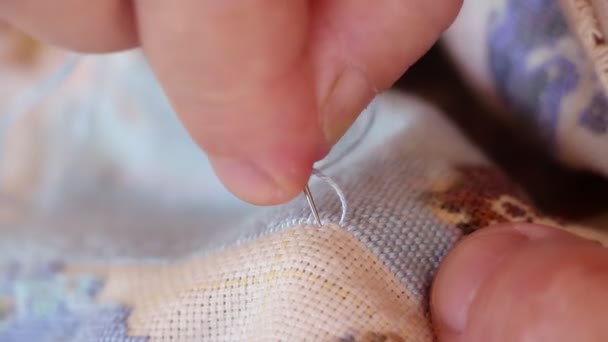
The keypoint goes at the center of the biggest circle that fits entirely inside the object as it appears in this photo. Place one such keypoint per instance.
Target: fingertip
(511, 281)
(260, 183)
(464, 271)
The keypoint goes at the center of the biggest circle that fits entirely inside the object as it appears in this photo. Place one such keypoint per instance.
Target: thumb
(522, 283)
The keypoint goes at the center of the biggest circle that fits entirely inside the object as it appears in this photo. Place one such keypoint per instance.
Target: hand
(265, 87)
(522, 283)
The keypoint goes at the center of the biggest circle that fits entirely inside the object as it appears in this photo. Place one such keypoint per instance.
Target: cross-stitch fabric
(113, 227)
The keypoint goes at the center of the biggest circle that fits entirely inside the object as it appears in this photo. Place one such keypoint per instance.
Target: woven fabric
(543, 65)
(589, 21)
(304, 283)
(120, 232)
(411, 198)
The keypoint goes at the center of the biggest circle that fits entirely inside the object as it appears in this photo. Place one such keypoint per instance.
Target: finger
(249, 78)
(87, 26)
(524, 282)
(362, 47)
(239, 77)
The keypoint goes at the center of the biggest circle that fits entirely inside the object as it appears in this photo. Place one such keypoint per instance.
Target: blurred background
(93, 158)
(90, 147)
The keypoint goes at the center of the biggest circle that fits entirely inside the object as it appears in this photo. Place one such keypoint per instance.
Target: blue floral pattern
(44, 305)
(535, 91)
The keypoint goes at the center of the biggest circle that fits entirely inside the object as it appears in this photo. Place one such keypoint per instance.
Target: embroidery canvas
(113, 227)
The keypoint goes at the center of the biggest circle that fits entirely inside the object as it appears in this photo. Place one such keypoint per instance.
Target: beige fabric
(414, 186)
(588, 18)
(294, 285)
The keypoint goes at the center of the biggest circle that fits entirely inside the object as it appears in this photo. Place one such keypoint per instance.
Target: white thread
(338, 191)
(361, 70)
(367, 128)
(347, 150)
(25, 103)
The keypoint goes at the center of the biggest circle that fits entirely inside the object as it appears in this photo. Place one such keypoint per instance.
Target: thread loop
(338, 191)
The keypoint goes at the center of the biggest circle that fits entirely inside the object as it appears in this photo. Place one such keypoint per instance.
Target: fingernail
(258, 182)
(470, 264)
(347, 98)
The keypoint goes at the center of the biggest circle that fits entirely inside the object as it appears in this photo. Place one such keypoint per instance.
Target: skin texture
(265, 87)
(522, 283)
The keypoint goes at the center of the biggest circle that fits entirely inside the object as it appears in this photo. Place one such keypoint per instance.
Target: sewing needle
(312, 205)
